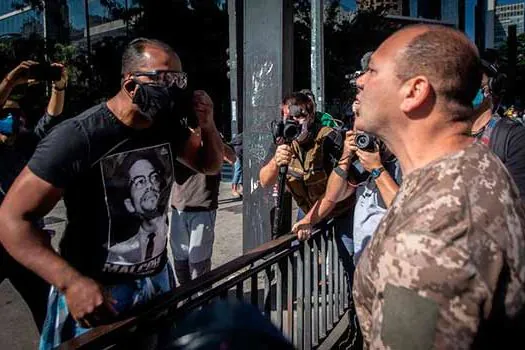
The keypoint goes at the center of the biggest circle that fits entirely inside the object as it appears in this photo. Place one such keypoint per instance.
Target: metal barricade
(299, 286)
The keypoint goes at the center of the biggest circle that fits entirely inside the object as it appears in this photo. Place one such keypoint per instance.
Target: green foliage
(347, 37)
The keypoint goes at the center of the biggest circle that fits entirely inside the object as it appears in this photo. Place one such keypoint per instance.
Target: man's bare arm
(337, 189)
(55, 106)
(28, 199)
(268, 173)
(17, 76)
(387, 187)
(207, 155)
(229, 154)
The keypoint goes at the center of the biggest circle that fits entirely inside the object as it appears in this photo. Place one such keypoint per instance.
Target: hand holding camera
(203, 106)
(349, 145)
(31, 71)
(20, 75)
(61, 83)
(369, 156)
(283, 155)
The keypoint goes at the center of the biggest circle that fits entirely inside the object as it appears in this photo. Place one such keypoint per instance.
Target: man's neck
(121, 107)
(482, 121)
(417, 146)
(151, 225)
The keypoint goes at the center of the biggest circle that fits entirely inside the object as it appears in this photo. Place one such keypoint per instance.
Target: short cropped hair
(133, 57)
(450, 62)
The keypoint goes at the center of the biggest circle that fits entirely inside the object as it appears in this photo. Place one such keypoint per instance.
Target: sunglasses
(167, 78)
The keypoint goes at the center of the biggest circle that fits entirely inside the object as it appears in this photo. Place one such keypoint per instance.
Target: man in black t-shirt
(80, 160)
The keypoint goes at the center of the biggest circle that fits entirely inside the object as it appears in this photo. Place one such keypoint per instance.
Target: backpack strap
(499, 140)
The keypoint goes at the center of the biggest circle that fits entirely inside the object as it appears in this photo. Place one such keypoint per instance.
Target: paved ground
(16, 327)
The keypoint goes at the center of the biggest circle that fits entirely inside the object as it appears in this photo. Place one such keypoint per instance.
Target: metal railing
(300, 286)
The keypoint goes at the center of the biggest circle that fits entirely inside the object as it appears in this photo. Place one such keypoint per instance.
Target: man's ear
(415, 93)
(130, 87)
(129, 206)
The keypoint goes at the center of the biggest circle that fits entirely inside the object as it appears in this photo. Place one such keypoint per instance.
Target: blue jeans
(60, 325)
(237, 172)
(300, 214)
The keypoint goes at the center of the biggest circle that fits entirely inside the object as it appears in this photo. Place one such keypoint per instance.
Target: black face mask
(167, 107)
(154, 100)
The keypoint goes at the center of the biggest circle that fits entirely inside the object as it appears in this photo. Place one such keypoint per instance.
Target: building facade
(447, 11)
(453, 11)
(505, 16)
(65, 21)
(425, 9)
(23, 21)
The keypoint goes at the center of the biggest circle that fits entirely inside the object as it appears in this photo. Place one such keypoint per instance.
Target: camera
(290, 129)
(287, 131)
(44, 72)
(365, 142)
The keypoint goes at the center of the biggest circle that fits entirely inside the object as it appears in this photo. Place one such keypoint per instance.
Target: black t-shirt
(194, 191)
(116, 183)
(515, 157)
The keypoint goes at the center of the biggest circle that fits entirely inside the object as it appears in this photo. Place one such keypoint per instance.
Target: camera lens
(365, 142)
(362, 140)
(290, 130)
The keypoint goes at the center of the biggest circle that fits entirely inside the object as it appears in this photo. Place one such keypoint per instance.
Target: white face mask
(304, 131)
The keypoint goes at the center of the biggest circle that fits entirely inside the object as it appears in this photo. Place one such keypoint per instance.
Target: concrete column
(268, 73)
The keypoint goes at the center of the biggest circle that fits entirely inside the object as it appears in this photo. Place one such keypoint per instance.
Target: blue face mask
(7, 125)
(478, 100)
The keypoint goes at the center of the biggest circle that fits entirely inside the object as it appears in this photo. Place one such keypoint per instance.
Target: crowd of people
(433, 242)
(428, 210)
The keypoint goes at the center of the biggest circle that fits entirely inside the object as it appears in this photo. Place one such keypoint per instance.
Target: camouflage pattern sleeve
(446, 267)
(429, 293)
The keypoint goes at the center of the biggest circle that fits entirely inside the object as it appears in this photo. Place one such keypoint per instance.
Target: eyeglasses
(140, 182)
(166, 78)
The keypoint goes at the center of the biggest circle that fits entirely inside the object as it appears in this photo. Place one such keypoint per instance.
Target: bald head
(448, 59)
(139, 53)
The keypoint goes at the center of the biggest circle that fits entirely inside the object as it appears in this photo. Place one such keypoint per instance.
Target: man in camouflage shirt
(446, 266)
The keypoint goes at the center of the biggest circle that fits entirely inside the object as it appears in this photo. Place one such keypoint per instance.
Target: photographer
(310, 159)
(113, 165)
(373, 195)
(17, 143)
(504, 136)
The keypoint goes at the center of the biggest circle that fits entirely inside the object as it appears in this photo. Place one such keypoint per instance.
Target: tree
(347, 37)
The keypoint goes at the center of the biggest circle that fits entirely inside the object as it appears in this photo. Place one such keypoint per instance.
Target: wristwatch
(376, 172)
